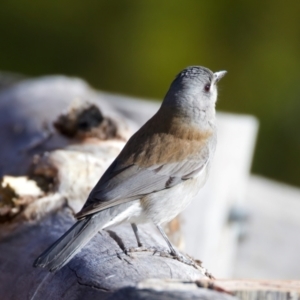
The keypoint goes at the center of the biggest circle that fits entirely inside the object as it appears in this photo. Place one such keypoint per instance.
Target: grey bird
(158, 172)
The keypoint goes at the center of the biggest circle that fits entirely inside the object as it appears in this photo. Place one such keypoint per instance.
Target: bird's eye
(207, 87)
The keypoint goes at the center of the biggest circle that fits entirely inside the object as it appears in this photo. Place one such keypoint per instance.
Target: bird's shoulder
(165, 139)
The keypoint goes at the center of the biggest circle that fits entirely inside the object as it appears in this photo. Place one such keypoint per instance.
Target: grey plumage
(160, 169)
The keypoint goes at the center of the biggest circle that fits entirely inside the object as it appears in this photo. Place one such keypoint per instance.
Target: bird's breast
(163, 206)
(165, 139)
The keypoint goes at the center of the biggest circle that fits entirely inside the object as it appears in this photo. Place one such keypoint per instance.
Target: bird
(158, 172)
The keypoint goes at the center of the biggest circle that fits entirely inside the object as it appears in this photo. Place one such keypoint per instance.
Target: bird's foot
(172, 253)
(186, 259)
(139, 249)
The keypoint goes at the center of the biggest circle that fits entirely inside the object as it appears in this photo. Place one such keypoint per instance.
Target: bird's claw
(139, 249)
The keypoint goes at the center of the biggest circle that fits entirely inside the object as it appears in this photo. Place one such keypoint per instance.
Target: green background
(137, 47)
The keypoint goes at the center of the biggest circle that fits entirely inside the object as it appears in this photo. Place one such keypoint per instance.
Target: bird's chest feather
(162, 141)
(163, 206)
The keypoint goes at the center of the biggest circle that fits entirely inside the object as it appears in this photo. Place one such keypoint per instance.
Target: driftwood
(29, 109)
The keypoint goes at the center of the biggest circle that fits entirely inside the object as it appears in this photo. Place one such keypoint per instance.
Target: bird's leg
(140, 247)
(176, 254)
(172, 249)
(135, 230)
(173, 252)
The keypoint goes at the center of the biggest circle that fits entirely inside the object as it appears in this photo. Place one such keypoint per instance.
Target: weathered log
(29, 109)
(100, 268)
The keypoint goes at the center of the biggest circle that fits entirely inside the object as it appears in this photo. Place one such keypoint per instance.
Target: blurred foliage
(136, 47)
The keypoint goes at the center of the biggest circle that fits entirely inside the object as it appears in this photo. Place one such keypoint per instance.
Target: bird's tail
(60, 253)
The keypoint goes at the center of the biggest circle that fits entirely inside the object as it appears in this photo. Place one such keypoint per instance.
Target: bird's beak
(219, 75)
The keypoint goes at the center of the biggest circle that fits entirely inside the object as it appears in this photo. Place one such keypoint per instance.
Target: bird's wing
(147, 164)
(133, 182)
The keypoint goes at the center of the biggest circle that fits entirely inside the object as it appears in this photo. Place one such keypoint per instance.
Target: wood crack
(79, 281)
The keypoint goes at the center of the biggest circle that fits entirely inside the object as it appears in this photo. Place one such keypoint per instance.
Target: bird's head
(193, 93)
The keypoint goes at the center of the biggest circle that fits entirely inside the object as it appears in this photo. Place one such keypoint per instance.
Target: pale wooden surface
(218, 289)
(262, 289)
(271, 247)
